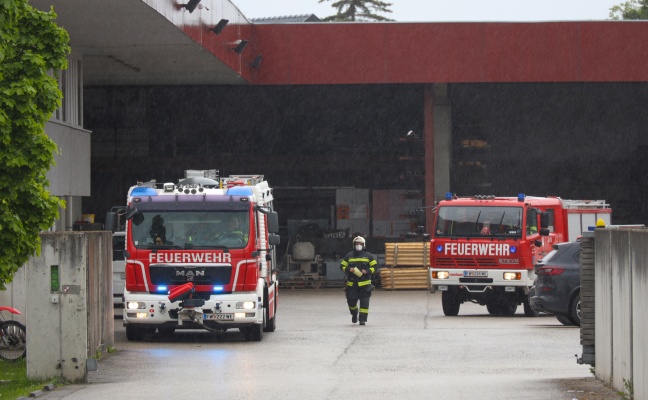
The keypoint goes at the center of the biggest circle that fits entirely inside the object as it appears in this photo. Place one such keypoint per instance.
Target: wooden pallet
(410, 254)
(393, 278)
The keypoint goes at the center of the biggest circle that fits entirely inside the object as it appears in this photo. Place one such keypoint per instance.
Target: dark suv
(557, 283)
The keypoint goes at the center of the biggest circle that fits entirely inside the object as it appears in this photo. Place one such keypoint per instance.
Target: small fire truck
(483, 248)
(200, 255)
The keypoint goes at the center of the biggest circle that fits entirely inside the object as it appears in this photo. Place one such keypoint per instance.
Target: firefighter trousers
(353, 295)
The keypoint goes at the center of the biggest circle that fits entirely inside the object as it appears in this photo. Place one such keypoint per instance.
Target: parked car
(119, 267)
(557, 283)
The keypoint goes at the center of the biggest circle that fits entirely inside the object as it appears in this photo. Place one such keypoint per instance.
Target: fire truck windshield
(478, 221)
(191, 230)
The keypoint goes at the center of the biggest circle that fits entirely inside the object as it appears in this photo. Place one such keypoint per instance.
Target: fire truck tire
(136, 334)
(270, 323)
(492, 308)
(253, 333)
(450, 304)
(509, 307)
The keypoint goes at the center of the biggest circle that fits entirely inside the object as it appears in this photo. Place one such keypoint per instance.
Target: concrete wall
(621, 315)
(70, 319)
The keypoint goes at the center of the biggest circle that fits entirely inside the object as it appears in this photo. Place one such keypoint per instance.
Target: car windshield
(191, 230)
(478, 221)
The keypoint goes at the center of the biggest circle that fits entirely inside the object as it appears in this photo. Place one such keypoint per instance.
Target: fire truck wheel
(271, 323)
(492, 308)
(509, 307)
(136, 334)
(450, 304)
(253, 333)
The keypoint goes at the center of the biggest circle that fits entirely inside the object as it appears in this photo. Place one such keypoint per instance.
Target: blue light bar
(218, 289)
(520, 196)
(239, 191)
(448, 196)
(162, 288)
(144, 191)
(513, 249)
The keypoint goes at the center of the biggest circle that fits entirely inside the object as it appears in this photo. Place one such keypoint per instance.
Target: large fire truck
(483, 248)
(199, 255)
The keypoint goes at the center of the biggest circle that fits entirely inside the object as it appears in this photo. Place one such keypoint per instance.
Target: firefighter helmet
(359, 239)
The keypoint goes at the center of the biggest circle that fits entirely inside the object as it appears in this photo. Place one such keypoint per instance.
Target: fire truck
(483, 248)
(200, 255)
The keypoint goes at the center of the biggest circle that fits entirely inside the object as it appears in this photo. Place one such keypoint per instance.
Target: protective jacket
(361, 260)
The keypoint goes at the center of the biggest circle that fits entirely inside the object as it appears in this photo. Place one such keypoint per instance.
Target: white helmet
(359, 239)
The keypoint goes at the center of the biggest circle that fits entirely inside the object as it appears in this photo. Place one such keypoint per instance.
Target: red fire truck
(199, 255)
(483, 248)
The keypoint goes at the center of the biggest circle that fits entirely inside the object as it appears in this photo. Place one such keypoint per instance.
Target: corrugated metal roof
(286, 19)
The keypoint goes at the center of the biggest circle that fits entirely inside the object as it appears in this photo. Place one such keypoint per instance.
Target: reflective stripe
(364, 310)
(373, 262)
(364, 283)
(363, 259)
(344, 263)
(353, 308)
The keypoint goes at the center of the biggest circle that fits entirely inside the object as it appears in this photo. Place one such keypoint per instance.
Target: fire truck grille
(475, 280)
(200, 275)
(466, 262)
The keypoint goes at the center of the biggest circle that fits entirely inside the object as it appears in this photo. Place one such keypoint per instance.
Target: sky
(446, 10)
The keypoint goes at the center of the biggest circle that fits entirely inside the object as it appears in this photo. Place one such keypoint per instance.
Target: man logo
(189, 275)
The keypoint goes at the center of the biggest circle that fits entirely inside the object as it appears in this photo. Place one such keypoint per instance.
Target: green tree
(359, 10)
(31, 44)
(631, 9)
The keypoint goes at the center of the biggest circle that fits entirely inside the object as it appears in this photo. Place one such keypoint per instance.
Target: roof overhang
(138, 42)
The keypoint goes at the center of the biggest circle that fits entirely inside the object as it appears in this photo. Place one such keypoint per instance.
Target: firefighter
(232, 231)
(358, 267)
(486, 228)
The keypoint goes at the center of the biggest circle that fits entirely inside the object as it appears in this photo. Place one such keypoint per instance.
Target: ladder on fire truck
(584, 204)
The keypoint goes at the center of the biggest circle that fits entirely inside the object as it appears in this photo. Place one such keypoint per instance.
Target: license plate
(476, 273)
(221, 317)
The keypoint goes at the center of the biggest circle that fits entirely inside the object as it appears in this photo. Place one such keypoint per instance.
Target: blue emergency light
(218, 289)
(239, 191)
(513, 249)
(440, 248)
(162, 289)
(448, 196)
(520, 197)
(143, 191)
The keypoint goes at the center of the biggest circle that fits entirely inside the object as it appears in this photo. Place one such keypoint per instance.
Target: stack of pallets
(406, 266)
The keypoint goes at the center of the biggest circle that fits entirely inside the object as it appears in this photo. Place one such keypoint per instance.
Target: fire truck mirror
(274, 240)
(544, 220)
(544, 232)
(273, 222)
(135, 215)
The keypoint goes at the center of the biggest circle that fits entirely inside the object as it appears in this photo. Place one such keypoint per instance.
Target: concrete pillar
(69, 313)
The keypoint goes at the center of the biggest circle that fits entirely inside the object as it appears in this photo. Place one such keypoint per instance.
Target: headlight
(246, 305)
(440, 275)
(136, 305)
(512, 276)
